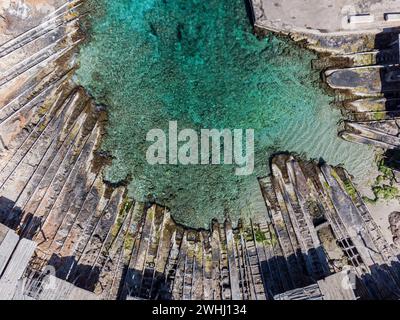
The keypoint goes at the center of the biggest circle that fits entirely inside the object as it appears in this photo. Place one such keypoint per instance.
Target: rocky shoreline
(315, 224)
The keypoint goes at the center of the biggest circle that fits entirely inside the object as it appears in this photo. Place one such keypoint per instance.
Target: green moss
(129, 241)
(380, 179)
(384, 185)
(125, 207)
(378, 116)
(327, 185)
(273, 241)
(335, 175)
(369, 200)
(259, 236)
(351, 191)
(387, 172)
(385, 192)
(348, 186)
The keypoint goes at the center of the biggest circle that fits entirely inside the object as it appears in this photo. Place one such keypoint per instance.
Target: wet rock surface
(52, 191)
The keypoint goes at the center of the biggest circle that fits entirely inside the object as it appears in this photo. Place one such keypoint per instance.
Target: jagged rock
(52, 191)
(394, 221)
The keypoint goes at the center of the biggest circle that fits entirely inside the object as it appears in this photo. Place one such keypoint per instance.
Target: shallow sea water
(197, 62)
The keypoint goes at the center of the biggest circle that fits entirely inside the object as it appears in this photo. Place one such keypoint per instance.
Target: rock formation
(370, 88)
(315, 224)
(394, 221)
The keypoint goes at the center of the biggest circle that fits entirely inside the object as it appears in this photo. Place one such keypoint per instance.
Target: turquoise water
(197, 62)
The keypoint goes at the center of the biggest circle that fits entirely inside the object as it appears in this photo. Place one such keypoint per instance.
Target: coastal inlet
(199, 63)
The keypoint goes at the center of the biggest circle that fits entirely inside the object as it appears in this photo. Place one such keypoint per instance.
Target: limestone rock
(394, 221)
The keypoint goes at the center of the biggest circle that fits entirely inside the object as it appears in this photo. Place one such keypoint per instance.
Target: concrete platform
(329, 17)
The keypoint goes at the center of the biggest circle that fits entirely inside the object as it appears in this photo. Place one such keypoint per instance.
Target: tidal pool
(198, 63)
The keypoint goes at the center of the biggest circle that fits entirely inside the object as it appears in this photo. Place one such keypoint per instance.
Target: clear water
(197, 62)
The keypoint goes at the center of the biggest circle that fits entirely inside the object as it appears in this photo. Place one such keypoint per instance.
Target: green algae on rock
(198, 63)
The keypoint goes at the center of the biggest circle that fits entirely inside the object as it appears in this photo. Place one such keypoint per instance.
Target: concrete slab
(58, 289)
(338, 286)
(3, 232)
(7, 247)
(19, 260)
(326, 17)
